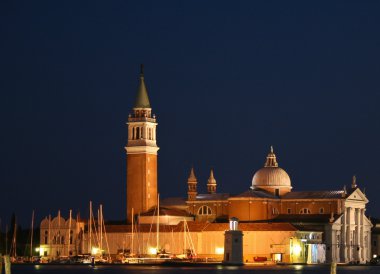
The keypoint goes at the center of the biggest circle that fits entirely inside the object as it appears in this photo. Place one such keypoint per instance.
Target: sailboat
(154, 253)
(100, 233)
(13, 251)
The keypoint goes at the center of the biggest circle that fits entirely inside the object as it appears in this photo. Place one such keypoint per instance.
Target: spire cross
(142, 69)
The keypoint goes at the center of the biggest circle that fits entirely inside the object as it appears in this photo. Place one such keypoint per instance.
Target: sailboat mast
(31, 236)
(89, 225)
(105, 235)
(14, 239)
(131, 251)
(184, 236)
(100, 221)
(158, 222)
(69, 238)
(49, 237)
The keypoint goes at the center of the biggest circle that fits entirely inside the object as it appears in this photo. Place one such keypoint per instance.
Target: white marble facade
(348, 237)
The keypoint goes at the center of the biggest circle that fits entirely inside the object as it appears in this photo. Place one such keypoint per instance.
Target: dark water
(120, 269)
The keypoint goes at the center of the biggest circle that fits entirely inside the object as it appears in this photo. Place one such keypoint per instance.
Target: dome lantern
(271, 177)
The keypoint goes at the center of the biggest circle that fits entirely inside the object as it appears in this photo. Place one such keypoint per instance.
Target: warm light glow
(37, 249)
(152, 250)
(303, 240)
(277, 257)
(219, 250)
(40, 250)
(374, 256)
(296, 250)
(94, 250)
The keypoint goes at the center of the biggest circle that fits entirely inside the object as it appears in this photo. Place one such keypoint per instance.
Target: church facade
(338, 214)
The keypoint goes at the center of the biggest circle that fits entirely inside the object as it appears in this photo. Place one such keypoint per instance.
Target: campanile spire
(142, 98)
(141, 154)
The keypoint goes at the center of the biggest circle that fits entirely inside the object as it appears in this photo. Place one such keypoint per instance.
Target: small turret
(192, 186)
(211, 183)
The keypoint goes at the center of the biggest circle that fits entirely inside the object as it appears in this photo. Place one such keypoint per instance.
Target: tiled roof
(305, 218)
(166, 211)
(333, 194)
(173, 201)
(138, 228)
(256, 193)
(319, 228)
(212, 197)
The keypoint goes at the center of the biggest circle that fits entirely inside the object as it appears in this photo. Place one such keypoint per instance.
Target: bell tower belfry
(141, 154)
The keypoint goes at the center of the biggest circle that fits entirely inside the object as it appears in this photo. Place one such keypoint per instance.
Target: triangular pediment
(357, 196)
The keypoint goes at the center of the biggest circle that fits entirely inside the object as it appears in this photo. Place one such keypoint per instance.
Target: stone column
(348, 234)
(357, 235)
(366, 245)
(336, 247)
(343, 247)
(358, 230)
(362, 235)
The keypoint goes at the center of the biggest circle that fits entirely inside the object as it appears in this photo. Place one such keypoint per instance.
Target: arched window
(204, 210)
(71, 237)
(277, 192)
(305, 211)
(321, 210)
(46, 237)
(137, 133)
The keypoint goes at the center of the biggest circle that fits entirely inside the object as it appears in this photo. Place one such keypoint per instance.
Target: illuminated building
(141, 154)
(61, 237)
(278, 223)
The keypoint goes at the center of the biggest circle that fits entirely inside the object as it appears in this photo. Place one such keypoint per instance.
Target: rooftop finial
(344, 193)
(331, 217)
(271, 159)
(354, 185)
(142, 70)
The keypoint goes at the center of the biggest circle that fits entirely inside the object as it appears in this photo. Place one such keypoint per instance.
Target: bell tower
(211, 183)
(192, 186)
(141, 154)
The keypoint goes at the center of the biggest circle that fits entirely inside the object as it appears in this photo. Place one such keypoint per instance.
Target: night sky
(226, 80)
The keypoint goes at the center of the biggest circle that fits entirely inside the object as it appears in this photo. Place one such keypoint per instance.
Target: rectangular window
(289, 210)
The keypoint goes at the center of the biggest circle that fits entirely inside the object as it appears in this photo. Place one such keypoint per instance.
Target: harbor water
(130, 269)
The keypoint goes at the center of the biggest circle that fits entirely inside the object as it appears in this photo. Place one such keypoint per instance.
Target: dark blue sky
(226, 79)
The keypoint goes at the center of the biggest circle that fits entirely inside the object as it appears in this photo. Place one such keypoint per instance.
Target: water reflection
(129, 269)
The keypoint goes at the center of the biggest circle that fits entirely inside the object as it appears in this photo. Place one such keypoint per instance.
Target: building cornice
(141, 149)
